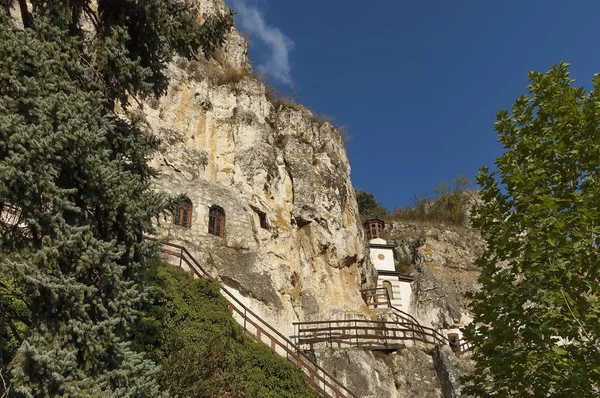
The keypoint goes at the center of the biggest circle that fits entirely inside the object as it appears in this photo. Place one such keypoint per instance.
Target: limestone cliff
(293, 246)
(441, 258)
(410, 372)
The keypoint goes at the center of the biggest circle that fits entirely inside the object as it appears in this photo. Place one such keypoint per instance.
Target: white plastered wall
(383, 260)
(382, 257)
(401, 291)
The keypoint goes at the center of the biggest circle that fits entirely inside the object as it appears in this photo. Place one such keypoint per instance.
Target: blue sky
(416, 83)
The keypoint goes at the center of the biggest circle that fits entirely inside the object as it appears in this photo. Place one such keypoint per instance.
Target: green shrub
(188, 329)
(14, 318)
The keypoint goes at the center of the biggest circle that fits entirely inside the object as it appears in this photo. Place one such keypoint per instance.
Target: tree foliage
(367, 203)
(536, 328)
(14, 316)
(76, 175)
(187, 327)
(128, 43)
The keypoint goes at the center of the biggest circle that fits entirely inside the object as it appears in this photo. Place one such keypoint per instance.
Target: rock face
(441, 258)
(410, 372)
(450, 369)
(293, 247)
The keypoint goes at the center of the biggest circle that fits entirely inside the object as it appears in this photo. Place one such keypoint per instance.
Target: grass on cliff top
(448, 206)
(188, 329)
(223, 73)
(282, 100)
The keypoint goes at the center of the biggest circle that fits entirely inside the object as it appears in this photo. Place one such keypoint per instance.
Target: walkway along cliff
(364, 334)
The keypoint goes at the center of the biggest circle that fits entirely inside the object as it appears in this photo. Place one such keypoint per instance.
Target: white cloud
(277, 65)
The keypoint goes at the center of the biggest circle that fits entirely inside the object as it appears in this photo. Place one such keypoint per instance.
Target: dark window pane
(182, 216)
(216, 221)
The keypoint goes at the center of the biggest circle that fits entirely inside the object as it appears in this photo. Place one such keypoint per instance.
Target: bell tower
(374, 227)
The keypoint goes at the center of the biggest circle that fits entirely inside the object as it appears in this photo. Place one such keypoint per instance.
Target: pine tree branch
(15, 332)
(20, 297)
(6, 6)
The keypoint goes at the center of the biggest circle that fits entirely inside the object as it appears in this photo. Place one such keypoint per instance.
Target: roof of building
(400, 276)
(382, 246)
(373, 217)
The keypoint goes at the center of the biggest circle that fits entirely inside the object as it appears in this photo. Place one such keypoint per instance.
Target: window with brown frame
(182, 215)
(216, 221)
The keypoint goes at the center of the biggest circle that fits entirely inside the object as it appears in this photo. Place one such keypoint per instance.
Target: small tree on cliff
(76, 177)
(536, 324)
(366, 202)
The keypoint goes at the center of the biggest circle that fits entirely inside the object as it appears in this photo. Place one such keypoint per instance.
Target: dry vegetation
(225, 73)
(217, 69)
(282, 101)
(278, 99)
(448, 206)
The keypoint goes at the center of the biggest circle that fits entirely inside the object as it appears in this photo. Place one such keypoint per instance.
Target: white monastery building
(382, 256)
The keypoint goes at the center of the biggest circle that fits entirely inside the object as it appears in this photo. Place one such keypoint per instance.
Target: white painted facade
(401, 291)
(382, 258)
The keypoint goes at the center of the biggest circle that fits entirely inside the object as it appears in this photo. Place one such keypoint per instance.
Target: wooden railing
(261, 331)
(364, 334)
(464, 347)
(376, 297)
(380, 296)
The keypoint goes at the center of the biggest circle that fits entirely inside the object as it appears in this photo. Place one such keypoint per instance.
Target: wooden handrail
(464, 347)
(404, 316)
(316, 375)
(374, 292)
(377, 332)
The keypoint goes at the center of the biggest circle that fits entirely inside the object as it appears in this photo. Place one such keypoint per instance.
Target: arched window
(216, 221)
(376, 230)
(182, 215)
(388, 287)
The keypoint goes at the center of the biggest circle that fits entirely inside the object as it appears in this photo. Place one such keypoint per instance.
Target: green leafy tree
(14, 316)
(76, 175)
(536, 328)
